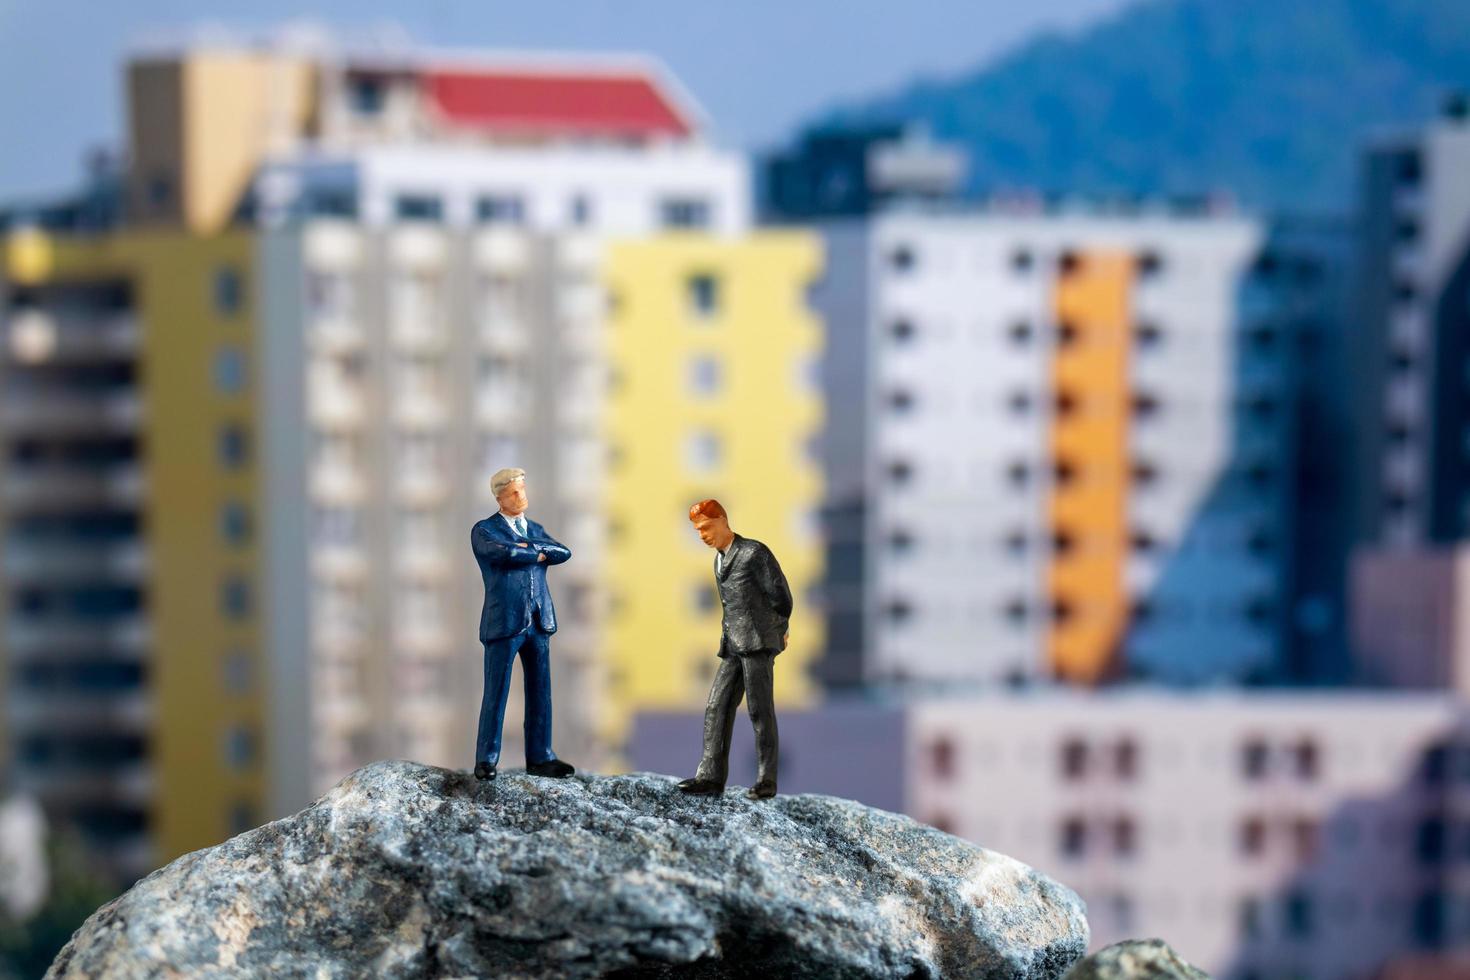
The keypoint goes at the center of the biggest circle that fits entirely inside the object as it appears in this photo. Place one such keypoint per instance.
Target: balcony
(339, 563)
(71, 336)
(579, 302)
(418, 410)
(503, 335)
(336, 483)
(335, 335)
(500, 409)
(128, 712)
(34, 413)
(421, 487)
(60, 784)
(424, 334)
(502, 250)
(422, 562)
(125, 561)
(66, 488)
(334, 407)
(126, 639)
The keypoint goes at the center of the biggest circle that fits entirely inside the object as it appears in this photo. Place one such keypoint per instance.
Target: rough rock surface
(1136, 959)
(412, 871)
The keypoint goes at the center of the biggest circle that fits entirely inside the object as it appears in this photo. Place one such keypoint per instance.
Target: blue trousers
(534, 647)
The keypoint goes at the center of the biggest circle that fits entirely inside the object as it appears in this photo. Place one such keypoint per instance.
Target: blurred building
(1266, 835)
(841, 171)
(1414, 337)
(716, 393)
(1411, 618)
(1056, 447)
(269, 381)
(131, 638)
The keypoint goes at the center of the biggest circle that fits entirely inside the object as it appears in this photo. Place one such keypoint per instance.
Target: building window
(901, 400)
(942, 757)
(704, 376)
(1073, 759)
(1021, 261)
(229, 371)
(229, 292)
(1299, 914)
(1250, 918)
(367, 94)
(1252, 836)
(704, 598)
(900, 542)
(500, 209)
(234, 523)
(1409, 170)
(418, 207)
(1254, 760)
(235, 598)
(1125, 837)
(1150, 264)
(1429, 841)
(1068, 263)
(239, 672)
(580, 213)
(902, 259)
(1125, 759)
(900, 471)
(898, 610)
(1148, 336)
(233, 446)
(1073, 837)
(242, 818)
(902, 331)
(704, 295)
(702, 452)
(332, 202)
(239, 747)
(684, 213)
(1305, 834)
(1306, 759)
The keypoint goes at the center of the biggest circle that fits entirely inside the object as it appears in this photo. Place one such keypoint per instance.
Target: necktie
(521, 526)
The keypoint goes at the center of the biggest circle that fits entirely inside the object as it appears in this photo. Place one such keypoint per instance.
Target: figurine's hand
(541, 556)
(784, 640)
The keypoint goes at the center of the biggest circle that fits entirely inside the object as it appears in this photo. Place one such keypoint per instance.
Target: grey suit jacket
(755, 598)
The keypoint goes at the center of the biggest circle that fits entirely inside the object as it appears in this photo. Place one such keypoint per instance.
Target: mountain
(1268, 99)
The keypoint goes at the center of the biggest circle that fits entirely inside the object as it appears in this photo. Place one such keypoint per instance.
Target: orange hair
(708, 509)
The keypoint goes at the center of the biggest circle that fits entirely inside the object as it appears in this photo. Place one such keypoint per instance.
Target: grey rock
(1136, 959)
(411, 871)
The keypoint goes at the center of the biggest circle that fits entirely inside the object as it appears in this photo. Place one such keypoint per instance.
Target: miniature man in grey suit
(757, 612)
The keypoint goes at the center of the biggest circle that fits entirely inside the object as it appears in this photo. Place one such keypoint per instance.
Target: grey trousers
(749, 675)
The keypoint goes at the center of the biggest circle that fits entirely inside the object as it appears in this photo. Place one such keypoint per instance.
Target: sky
(758, 67)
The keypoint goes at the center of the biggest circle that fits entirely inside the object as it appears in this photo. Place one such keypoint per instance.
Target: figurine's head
(509, 487)
(712, 523)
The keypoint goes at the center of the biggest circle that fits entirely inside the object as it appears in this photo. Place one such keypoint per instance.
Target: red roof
(607, 104)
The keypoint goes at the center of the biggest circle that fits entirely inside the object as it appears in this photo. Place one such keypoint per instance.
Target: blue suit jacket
(515, 582)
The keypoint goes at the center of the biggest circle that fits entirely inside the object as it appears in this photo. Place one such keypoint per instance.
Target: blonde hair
(504, 478)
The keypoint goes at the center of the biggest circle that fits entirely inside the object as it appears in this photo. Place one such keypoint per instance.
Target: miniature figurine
(518, 617)
(756, 602)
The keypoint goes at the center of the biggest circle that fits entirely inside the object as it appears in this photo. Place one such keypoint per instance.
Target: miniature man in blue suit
(517, 617)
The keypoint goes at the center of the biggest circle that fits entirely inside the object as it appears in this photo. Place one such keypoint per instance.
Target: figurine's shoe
(554, 768)
(763, 790)
(695, 786)
(484, 770)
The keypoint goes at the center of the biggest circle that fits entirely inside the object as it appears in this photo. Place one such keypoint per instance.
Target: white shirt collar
(512, 520)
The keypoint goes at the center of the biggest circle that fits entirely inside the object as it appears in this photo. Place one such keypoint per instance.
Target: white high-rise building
(1056, 447)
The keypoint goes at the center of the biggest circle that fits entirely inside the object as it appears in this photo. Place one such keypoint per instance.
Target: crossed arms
(542, 549)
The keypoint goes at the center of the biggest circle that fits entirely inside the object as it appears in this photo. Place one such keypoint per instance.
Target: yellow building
(715, 393)
(132, 495)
